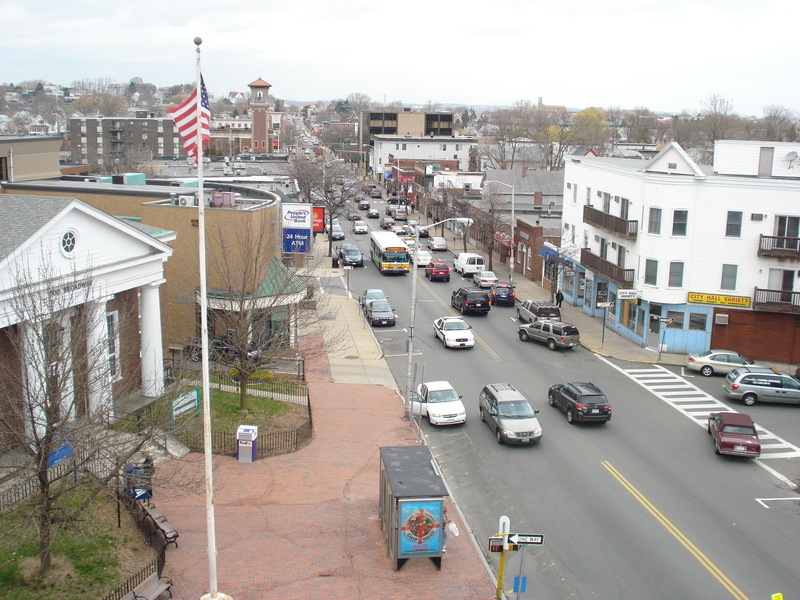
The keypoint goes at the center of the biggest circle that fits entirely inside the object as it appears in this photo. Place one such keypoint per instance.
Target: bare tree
(640, 124)
(719, 120)
(58, 398)
(556, 134)
(779, 124)
(509, 128)
(359, 103)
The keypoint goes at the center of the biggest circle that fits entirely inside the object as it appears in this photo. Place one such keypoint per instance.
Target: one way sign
(535, 539)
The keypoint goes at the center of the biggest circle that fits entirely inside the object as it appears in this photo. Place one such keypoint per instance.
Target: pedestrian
(559, 298)
(445, 522)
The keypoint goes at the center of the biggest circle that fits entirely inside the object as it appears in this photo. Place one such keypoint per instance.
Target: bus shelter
(412, 496)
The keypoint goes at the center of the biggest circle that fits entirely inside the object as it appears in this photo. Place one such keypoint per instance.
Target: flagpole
(201, 248)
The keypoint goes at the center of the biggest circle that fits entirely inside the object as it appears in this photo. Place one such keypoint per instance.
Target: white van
(468, 263)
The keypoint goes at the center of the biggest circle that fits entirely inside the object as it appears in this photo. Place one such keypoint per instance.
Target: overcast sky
(666, 57)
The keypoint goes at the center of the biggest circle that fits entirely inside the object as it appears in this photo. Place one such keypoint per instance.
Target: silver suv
(761, 384)
(556, 334)
(509, 414)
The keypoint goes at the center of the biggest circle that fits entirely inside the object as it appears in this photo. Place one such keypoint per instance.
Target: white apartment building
(389, 149)
(713, 253)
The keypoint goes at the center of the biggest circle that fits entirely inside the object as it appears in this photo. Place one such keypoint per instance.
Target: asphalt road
(638, 508)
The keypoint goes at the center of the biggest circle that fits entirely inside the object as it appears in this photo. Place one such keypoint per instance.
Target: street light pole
(511, 245)
(466, 222)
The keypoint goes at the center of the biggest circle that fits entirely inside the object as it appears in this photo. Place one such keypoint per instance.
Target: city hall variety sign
(698, 298)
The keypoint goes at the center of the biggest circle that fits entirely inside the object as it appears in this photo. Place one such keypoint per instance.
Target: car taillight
(691, 359)
(580, 407)
(735, 386)
(513, 294)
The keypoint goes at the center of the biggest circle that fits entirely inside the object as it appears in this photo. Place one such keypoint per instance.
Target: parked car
(470, 300)
(350, 255)
(373, 213)
(421, 232)
(502, 292)
(734, 434)
(438, 401)
(422, 258)
(509, 414)
(363, 204)
(453, 332)
(716, 361)
(531, 311)
(412, 223)
(389, 210)
(352, 215)
(337, 233)
(437, 270)
(580, 402)
(485, 279)
(386, 223)
(556, 334)
(396, 200)
(379, 312)
(437, 244)
(761, 384)
(468, 263)
(375, 193)
(371, 294)
(360, 227)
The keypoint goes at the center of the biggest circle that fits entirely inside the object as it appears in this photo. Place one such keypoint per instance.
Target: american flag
(185, 117)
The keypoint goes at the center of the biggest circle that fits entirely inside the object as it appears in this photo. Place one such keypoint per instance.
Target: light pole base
(217, 596)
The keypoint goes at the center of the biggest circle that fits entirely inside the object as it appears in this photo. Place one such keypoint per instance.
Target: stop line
(697, 404)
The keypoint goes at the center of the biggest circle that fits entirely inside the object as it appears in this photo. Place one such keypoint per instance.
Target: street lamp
(511, 244)
(464, 221)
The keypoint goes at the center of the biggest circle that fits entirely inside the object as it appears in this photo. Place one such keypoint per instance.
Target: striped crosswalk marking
(697, 404)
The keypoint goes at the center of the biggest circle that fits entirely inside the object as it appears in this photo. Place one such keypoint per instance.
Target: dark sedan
(350, 255)
(379, 312)
(580, 402)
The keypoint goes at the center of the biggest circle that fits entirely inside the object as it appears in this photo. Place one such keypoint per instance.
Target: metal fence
(269, 442)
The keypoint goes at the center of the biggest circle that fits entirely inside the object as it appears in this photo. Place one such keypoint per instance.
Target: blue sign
(420, 528)
(296, 241)
(520, 584)
(62, 452)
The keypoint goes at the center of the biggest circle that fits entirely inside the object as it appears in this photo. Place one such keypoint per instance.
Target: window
(654, 222)
(112, 323)
(68, 241)
(651, 272)
(444, 147)
(458, 147)
(403, 147)
(677, 319)
(729, 273)
(672, 165)
(697, 321)
(680, 219)
(588, 195)
(675, 274)
(733, 228)
(574, 194)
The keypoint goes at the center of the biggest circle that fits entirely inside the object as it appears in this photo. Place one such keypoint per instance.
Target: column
(99, 386)
(152, 350)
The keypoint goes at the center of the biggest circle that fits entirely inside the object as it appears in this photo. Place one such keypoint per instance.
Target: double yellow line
(693, 550)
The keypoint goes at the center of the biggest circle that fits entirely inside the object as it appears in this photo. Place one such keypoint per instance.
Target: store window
(697, 321)
(677, 319)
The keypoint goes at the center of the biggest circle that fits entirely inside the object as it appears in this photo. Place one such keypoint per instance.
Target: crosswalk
(697, 405)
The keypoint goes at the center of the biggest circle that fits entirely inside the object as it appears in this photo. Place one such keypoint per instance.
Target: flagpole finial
(198, 40)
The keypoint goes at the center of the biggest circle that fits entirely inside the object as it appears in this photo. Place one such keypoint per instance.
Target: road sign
(347, 267)
(605, 304)
(627, 294)
(666, 319)
(534, 539)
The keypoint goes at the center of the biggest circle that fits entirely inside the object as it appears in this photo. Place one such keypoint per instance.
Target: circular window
(68, 242)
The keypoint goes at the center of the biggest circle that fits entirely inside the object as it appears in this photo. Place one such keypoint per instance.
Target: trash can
(335, 262)
(246, 443)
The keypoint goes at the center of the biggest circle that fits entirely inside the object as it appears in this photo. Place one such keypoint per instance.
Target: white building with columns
(80, 310)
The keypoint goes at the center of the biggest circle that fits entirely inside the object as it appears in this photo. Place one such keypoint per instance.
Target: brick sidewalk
(305, 525)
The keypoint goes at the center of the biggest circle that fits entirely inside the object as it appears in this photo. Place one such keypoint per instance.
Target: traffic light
(496, 543)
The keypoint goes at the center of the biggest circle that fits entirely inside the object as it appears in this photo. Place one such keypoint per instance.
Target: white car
(437, 243)
(438, 401)
(422, 258)
(360, 227)
(485, 279)
(454, 332)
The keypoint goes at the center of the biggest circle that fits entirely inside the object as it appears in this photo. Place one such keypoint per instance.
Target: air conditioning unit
(597, 238)
(721, 319)
(569, 186)
(185, 200)
(599, 194)
(757, 217)
(613, 245)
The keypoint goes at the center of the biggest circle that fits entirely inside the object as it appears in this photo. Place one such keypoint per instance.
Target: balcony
(601, 266)
(621, 227)
(776, 246)
(776, 301)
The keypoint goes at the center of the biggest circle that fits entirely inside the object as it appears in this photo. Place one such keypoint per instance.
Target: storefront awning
(548, 254)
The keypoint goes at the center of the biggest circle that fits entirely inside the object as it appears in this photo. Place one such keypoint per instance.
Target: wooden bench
(150, 589)
(161, 522)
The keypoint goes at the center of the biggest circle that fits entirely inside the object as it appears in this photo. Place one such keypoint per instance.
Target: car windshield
(380, 306)
(738, 429)
(395, 256)
(442, 396)
(453, 325)
(548, 312)
(516, 409)
(354, 253)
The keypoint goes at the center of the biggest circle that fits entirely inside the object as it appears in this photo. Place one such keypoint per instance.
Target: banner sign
(296, 219)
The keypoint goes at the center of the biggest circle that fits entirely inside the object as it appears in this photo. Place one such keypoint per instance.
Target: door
(654, 327)
(783, 280)
(787, 227)
(765, 159)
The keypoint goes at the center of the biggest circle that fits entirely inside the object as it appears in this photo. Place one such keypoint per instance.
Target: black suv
(363, 204)
(502, 292)
(350, 255)
(471, 300)
(581, 402)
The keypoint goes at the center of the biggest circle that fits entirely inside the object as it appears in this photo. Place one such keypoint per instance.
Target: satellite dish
(792, 155)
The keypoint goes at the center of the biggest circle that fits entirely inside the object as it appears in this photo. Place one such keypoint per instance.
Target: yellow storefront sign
(697, 298)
